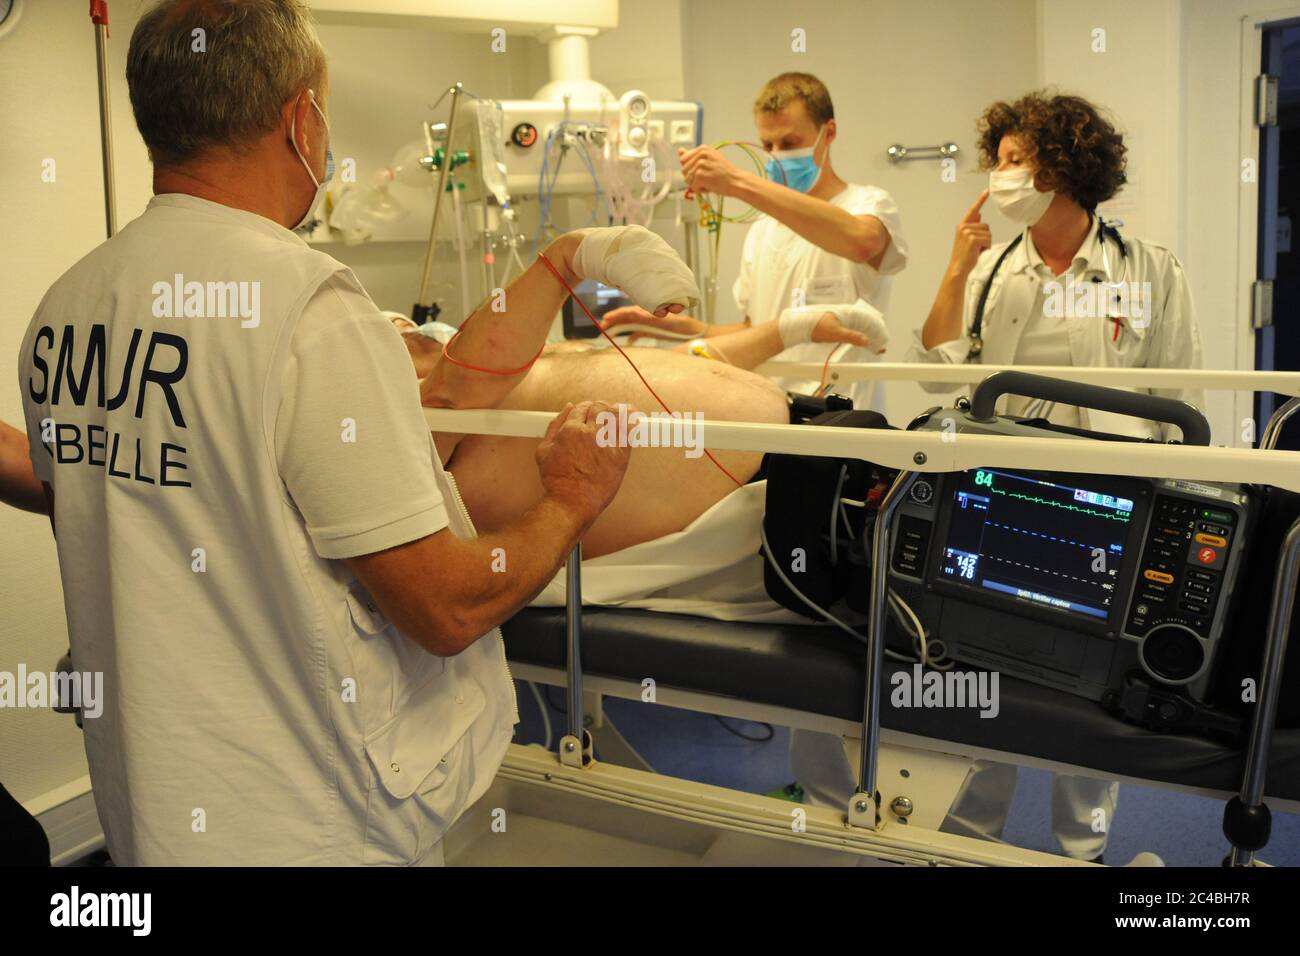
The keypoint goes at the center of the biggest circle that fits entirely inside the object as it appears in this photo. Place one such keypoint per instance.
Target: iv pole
(99, 17)
(423, 311)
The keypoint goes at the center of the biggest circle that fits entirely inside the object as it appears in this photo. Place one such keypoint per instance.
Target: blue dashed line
(1049, 537)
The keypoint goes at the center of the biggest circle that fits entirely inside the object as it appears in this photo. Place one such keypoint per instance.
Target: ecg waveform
(1000, 544)
(1057, 504)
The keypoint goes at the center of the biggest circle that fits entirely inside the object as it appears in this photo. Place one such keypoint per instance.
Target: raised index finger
(973, 213)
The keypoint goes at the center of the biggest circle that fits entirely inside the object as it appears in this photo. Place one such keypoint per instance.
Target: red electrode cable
(826, 369)
(446, 353)
(597, 324)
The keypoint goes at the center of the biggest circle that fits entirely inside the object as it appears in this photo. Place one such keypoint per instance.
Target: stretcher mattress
(711, 568)
(818, 670)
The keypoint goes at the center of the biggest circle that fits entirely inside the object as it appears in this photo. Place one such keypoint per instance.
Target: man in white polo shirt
(822, 241)
(300, 667)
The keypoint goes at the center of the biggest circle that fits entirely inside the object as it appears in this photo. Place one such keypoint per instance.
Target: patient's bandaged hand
(639, 262)
(796, 325)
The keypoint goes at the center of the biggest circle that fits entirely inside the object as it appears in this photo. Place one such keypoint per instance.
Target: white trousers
(1083, 808)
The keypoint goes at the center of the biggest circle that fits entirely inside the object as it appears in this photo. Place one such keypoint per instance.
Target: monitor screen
(599, 299)
(1038, 540)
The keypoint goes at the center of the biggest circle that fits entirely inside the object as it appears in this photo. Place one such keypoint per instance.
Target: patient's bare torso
(664, 490)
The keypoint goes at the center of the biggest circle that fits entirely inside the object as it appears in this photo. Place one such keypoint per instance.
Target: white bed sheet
(712, 568)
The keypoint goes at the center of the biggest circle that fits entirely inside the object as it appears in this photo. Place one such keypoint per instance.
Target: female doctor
(1069, 290)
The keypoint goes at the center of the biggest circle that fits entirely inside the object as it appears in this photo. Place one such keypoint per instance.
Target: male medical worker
(823, 241)
(300, 666)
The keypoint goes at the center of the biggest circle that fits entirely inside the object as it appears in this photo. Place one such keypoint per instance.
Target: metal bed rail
(1246, 818)
(960, 375)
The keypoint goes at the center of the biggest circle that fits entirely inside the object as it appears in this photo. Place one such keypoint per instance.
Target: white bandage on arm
(796, 325)
(639, 262)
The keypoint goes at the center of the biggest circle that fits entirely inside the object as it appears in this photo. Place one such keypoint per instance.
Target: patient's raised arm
(504, 333)
(498, 342)
(750, 347)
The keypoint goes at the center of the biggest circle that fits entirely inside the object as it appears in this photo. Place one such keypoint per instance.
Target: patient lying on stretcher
(664, 489)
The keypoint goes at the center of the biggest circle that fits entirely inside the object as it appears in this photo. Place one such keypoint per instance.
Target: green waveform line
(1056, 504)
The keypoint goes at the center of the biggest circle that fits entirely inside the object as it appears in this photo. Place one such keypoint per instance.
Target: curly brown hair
(1077, 150)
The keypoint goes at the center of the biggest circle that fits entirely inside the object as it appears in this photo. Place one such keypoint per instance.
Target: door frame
(1251, 65)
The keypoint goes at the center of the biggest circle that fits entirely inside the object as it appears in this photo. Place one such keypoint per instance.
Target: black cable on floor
(771, 731)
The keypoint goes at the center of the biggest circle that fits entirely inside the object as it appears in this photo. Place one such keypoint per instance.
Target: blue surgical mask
(800, 168)
(329, 167)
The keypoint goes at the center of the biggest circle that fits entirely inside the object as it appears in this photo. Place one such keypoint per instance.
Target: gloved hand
(639, 262)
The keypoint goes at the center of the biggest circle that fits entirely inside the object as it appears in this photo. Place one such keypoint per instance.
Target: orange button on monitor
(1160, 576)
(1212, 539)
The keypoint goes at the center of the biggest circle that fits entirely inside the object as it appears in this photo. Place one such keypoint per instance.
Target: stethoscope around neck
(1106, 231)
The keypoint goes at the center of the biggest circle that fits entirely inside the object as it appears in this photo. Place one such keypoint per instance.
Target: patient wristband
(700, 349)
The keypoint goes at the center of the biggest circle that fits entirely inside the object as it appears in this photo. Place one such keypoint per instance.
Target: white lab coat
(1168, 338)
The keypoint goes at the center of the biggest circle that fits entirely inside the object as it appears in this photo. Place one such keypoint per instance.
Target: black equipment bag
(798, 523)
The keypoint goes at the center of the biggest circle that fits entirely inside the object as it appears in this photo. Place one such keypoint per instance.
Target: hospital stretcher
(570, 807)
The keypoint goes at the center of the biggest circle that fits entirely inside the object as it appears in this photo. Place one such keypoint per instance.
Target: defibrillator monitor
(598, 299)
(1070, 580)
(1052, 544)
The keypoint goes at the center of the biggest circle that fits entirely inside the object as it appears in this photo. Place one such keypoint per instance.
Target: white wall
(48, 112)
(382, 83)
(915, 72)
(1139, 80)
(645, 52)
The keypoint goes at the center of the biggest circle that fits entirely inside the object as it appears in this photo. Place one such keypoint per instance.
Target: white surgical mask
(329, 166)
(1013, 191)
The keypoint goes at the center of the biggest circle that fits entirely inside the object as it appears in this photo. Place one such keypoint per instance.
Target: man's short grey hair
(207, 74)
